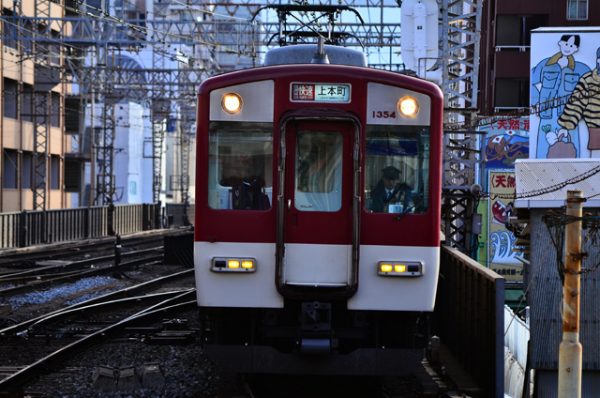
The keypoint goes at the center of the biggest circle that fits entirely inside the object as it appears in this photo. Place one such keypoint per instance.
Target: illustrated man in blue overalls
(552, 82)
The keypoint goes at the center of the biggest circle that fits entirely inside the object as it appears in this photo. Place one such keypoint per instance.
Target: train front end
(317, 236)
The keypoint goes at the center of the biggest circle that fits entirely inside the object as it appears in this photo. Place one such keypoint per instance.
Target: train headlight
(408, 106)
(227, 264)
(400, 268)
(232, 103)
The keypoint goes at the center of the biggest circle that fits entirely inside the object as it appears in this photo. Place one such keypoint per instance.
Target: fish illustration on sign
(502, 149)
(501, 212)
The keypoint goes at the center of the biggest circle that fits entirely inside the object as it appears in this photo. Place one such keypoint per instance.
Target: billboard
(565, 93)
(505, 140)
(502, 257)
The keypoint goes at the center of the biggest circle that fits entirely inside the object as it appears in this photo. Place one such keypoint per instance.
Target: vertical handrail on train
(469, 318)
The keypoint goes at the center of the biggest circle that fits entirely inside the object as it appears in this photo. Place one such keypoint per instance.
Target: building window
(9, 168)
(72, 115)
(9, 28)
(27, 104)
(511, 94)
(514, 31)
(577, 10)
(26, 169)
(10, 98)
(54, 172)
(73, 171)
(55, 110)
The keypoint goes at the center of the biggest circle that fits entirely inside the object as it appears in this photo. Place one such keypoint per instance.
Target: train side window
(318, 182)
(397, 169)
(240, 166)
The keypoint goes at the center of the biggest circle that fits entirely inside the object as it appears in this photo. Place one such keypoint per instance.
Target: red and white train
(317, 237)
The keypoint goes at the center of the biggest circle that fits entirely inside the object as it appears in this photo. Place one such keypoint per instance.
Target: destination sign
(320, 92)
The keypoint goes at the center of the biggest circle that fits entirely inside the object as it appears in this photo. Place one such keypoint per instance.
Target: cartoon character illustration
(501, 212)
(584, 104)
(553, 80)
(502, 149)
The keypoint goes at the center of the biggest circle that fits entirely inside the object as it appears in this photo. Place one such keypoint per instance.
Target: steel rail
(65, 251)
(123, 293)
(103, 305)
(16, 381)
(84, 274)
(39, 272)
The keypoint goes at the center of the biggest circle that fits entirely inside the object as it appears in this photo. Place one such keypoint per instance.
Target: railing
(520, 48)
(469, 317)
(29, 228)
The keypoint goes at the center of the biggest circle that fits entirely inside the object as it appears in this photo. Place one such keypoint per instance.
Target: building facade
(33, 144)
(508, 123)
(504, 71)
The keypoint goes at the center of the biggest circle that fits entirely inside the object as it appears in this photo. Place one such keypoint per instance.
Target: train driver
(390, 195)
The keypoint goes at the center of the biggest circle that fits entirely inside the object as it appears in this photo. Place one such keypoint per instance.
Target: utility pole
(570, 351)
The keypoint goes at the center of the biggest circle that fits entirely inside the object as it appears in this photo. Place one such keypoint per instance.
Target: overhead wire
(552, 188)
(536, 109)
(61, 42)
(103, 15)
(36, 49)
(192, 7)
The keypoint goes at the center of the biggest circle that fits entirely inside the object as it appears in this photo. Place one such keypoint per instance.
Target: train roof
(304, 53)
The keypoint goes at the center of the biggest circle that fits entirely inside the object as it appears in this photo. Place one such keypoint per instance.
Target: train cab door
(318, 202)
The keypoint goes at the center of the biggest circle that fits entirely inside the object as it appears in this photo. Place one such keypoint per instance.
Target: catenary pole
(570, 351)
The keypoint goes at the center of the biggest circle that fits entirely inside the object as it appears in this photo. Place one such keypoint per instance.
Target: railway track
(42, 277)
(13, 260)
(57, 336)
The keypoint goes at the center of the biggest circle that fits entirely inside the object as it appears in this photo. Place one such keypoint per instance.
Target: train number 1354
(384, 115)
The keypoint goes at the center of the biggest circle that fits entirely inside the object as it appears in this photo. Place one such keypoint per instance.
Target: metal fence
(27, 228)
(469, 317)
(179, 214)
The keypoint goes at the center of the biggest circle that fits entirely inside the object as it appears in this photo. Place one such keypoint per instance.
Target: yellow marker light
(408, 106)
(244, 265)
(385, 267)
(399, 268)
(232, 103)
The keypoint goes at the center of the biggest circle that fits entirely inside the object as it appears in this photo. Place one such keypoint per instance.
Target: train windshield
(397, 169)
(240, 164)
(318, 171)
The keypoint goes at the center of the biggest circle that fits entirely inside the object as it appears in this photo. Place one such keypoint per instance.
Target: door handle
(289, 203)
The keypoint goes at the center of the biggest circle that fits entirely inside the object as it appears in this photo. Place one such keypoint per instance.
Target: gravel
(179, 371)
(96, 285)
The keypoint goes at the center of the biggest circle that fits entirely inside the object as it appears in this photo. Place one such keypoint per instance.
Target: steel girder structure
(461, 24)
(160, 32)
(160, 106)
(461, 166)
(42, 101)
